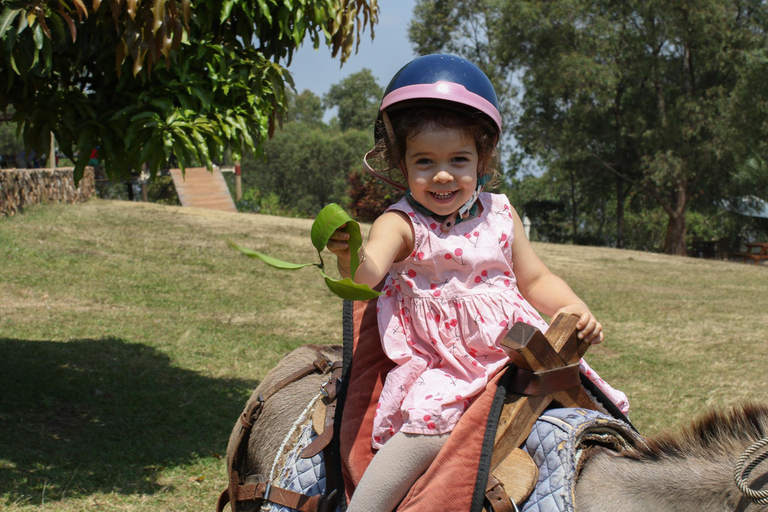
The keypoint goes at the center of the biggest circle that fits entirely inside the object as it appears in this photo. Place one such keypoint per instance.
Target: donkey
(687, 471)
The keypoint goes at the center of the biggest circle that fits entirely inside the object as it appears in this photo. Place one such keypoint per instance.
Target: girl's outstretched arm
(389, 240)
(545, 291)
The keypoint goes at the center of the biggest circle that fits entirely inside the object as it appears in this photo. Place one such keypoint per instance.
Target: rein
(740, 472)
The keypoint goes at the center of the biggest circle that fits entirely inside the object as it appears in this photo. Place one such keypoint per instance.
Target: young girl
(459, 270)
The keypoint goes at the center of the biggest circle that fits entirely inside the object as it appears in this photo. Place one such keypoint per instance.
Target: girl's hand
(589, 328)
(338, 244)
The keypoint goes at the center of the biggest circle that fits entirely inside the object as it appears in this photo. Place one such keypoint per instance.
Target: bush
(549, 220)
(369, 197)
(161, 190)
(254, 201)
(645, 229)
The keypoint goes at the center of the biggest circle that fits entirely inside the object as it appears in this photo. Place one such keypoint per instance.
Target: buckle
(327, 503)
(321, 365)
(267, 492)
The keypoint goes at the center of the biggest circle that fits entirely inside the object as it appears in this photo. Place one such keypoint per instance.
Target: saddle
(480, 467)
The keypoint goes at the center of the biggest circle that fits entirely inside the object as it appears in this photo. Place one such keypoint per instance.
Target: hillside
(131, 336)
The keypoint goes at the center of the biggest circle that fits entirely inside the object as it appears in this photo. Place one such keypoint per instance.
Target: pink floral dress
(441, 316)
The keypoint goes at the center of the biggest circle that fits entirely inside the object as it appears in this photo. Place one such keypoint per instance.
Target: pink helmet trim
(446, 91)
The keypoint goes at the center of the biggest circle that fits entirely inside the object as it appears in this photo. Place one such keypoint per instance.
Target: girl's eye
(460, 159)
(423, 161)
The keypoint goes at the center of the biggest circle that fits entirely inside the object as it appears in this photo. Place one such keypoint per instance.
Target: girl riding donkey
(459, 269)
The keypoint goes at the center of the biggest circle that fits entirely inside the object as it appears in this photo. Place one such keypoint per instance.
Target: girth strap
(283, 497)
(264, 491)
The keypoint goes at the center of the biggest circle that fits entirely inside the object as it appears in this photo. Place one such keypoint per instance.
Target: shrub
(369, 197)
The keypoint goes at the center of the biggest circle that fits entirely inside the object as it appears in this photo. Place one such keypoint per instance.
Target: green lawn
(131, 336)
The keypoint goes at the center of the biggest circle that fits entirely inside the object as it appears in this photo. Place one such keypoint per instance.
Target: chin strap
(469, 209)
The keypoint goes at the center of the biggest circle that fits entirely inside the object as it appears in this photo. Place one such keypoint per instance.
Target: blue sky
(384, 56)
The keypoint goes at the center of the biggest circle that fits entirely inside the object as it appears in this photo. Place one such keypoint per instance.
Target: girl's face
(442, 168)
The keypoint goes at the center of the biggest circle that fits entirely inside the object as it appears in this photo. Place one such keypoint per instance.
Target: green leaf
(6, 19)
(349, 290)
(269, 260)
(331, 218)
(38, 36)
(328, 220)
(265, 11)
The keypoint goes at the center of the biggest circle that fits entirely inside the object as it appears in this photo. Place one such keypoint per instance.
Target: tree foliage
(357, 98)
(469, 29)
(305, 166)
(147, 80)
(667, 100)
(309, 163)
(306, 107)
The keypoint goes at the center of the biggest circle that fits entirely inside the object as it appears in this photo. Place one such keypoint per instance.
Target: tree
(306, 107)
(147, 80)
(651, 93)
(357, 97)
(469, 29)
(306, 166)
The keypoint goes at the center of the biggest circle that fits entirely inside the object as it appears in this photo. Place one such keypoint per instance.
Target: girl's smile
(442, 169)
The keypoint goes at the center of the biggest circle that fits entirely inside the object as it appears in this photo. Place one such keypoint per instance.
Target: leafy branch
(330, 218)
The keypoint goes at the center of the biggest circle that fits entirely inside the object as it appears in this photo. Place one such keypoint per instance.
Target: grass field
(131, 336)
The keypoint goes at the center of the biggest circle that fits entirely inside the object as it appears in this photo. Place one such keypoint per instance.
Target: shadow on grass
(103, 415)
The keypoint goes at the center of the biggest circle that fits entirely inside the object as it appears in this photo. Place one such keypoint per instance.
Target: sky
(384, 56)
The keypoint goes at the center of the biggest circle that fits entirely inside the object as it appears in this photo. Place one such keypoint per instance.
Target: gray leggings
(393, 470)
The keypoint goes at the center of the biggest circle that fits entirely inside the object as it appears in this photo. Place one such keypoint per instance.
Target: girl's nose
(443, 177)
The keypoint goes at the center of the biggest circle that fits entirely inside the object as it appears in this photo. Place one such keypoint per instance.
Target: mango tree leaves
(269, 260)
(330, 218)
(348, 289)
(211, 74)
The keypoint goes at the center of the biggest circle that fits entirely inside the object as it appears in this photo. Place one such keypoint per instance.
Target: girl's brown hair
(406, 123)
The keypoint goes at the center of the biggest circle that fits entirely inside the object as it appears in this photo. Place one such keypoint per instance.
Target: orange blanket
(450, 482)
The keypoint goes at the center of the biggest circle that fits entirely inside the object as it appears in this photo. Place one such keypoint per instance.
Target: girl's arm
(389, 240)
(545, 291)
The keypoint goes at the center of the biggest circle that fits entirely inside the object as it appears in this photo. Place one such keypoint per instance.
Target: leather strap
(329, 389)
(497, 496)
(263, 491)
(284, 497)
(319, 365)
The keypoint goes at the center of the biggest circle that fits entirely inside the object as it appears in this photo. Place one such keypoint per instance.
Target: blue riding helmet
(442, 77)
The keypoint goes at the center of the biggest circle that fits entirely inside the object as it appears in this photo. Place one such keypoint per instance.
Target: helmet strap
(379, 175)
(467, 211)
(390, 129)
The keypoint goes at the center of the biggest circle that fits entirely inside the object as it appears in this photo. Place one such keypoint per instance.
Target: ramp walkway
(200, 188)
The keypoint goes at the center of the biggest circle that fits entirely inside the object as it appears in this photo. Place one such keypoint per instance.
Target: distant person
(459, 270)
(94, 160)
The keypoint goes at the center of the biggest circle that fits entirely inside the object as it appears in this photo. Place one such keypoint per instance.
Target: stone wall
(22, 187)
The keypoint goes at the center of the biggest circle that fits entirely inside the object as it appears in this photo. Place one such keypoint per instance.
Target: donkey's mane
(718, 431)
